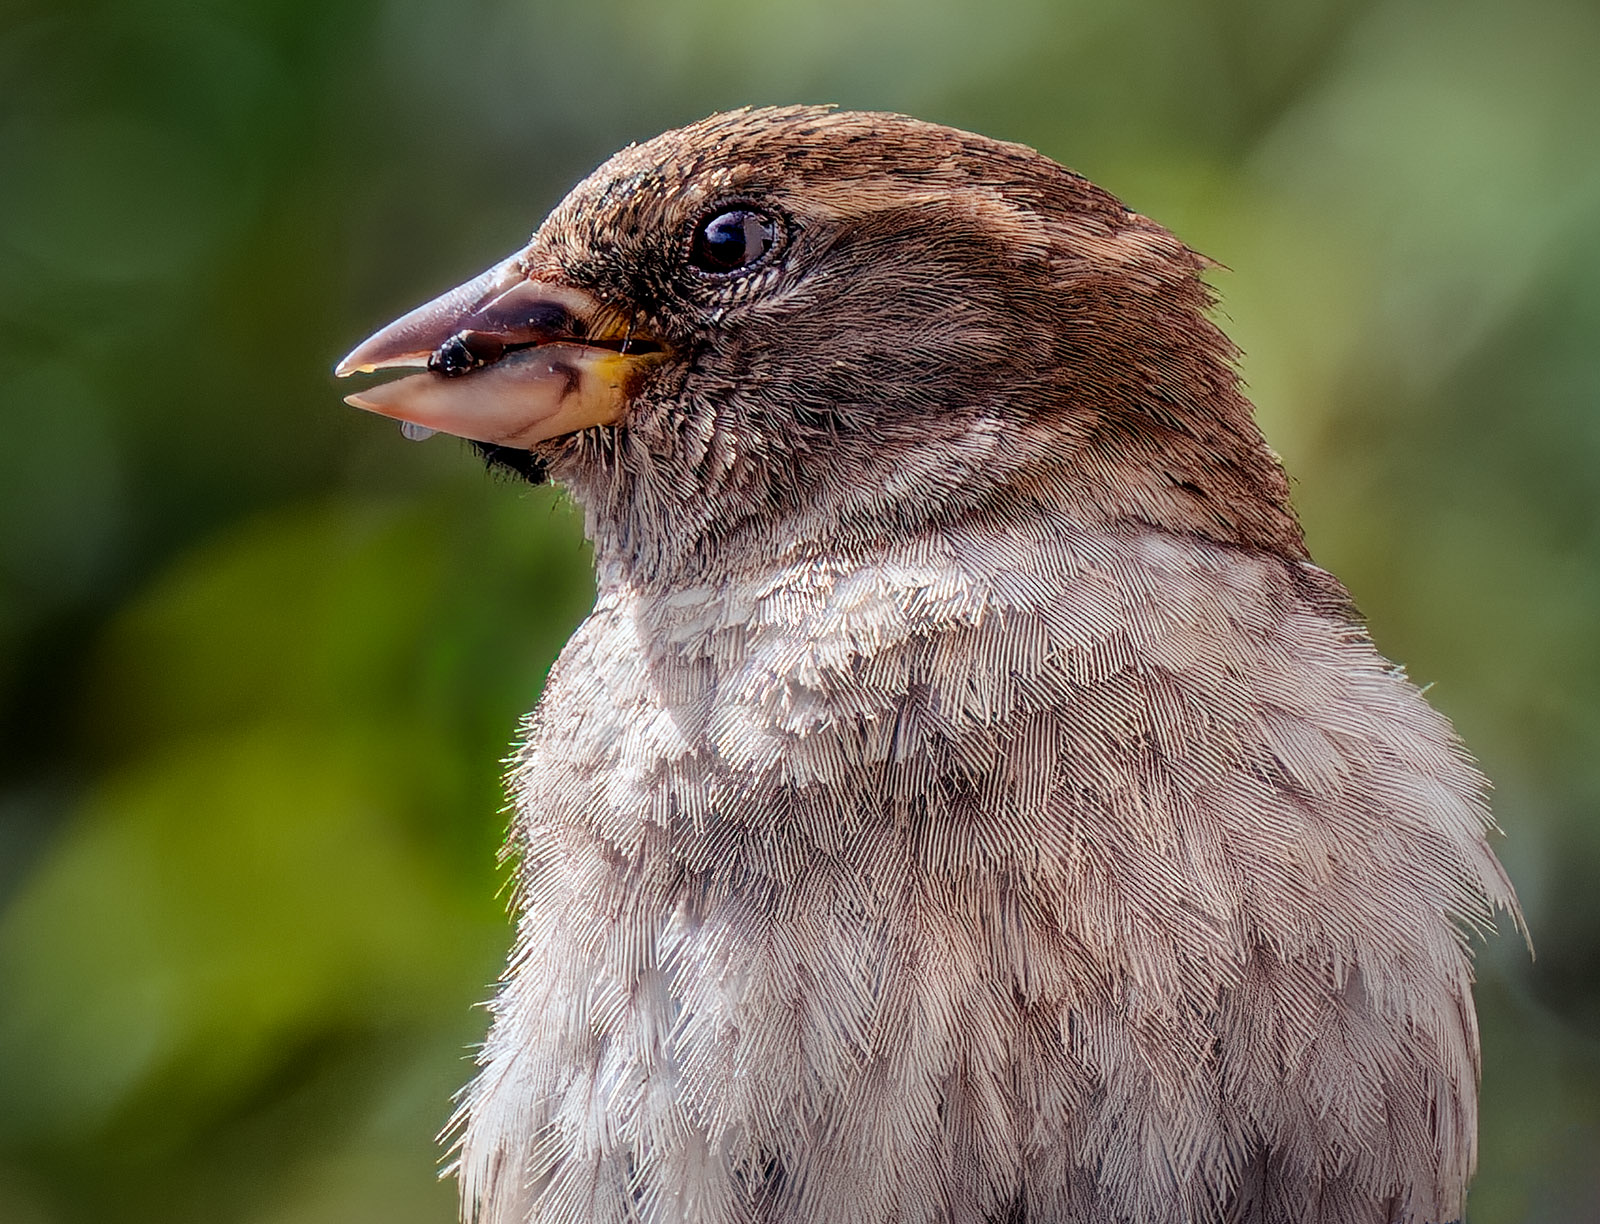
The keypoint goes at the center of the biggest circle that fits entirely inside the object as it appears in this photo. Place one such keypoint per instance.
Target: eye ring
(732, 239)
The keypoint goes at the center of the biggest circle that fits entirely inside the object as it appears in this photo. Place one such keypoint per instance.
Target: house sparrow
(966, 801)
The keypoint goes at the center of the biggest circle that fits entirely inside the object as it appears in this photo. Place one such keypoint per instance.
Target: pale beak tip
(360, 401)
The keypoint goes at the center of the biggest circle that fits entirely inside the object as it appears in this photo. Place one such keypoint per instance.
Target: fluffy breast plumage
(1012, 871)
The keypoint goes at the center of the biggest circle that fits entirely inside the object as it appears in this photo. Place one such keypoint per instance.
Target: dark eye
(732, 240)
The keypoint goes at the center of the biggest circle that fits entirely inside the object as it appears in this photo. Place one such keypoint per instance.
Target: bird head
(786, 329)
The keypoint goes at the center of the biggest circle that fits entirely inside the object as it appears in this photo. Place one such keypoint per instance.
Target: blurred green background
(260, 656)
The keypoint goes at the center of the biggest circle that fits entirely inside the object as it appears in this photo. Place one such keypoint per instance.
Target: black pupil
(732, 240)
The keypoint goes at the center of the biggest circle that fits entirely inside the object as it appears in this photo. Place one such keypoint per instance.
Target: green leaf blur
(261, 657)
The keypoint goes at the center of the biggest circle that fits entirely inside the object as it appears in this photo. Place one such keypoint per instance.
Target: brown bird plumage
(966, 802)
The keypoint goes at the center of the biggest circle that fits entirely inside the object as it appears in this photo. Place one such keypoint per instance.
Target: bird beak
(507, 360)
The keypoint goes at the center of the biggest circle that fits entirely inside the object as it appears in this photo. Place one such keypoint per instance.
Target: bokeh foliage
(260, 656)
